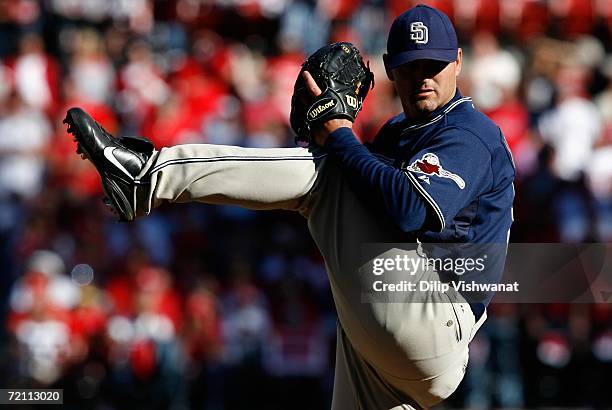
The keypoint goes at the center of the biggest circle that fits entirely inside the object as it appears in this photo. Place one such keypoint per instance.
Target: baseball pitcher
(438, 172)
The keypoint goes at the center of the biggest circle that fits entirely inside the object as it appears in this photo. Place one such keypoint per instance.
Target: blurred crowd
(213, 307)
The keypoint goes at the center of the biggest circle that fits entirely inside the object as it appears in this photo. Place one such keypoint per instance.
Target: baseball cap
(421, 33)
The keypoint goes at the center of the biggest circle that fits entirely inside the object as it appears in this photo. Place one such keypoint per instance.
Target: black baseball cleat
(119, 161)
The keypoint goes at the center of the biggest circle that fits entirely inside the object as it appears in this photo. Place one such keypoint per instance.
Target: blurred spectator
(599, 178)
(45, 278)
(572, 129)
(202, 340)
(573, 17)
(203, 324)
(226, 127)
(36, 74)
(599, 169)
(280, 76)
(296, 353)
(493, 72)
(24, 137)
(25, 134)
(137, 13)
(544, 54)
(146, 351)
(40, 304)
(494, 373)
(524, 19)
(481, 14)
(305, 25)
(143, 87)
(179, 118)
(495, 76)
(245, 330)
(574, 126)
(246, 323)
(370, 22)
(44, 342)
(89, 60)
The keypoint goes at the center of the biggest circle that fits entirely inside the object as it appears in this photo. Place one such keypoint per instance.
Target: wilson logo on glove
(320, 109)
(344, 78)
(351, 101)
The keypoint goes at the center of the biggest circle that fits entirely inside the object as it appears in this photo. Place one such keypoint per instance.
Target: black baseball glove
(344, 79)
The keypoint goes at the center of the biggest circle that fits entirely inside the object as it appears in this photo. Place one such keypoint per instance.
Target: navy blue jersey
(446, 180)
(461, 165)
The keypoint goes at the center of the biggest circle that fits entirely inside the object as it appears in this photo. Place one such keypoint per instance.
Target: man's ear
(387, 70)
(459, 60)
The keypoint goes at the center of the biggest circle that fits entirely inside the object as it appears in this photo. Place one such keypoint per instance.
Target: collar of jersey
(438, 114)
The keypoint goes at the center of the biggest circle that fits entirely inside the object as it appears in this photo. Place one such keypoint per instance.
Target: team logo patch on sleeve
(429, 165)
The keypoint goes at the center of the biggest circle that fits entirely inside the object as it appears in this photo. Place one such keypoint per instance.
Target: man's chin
(425, 107)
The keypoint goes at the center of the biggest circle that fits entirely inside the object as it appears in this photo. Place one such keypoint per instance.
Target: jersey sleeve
(377, 182)
(450, 173)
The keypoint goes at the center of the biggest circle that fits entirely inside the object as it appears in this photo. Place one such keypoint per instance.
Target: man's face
(425, 85)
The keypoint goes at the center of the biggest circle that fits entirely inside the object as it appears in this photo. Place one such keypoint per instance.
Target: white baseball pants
(390, 356)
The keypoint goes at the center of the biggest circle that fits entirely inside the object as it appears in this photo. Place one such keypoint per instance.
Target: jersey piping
(437, 117)
(158, 167)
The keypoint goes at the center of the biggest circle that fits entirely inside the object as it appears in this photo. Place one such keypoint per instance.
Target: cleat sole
(124, 213)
